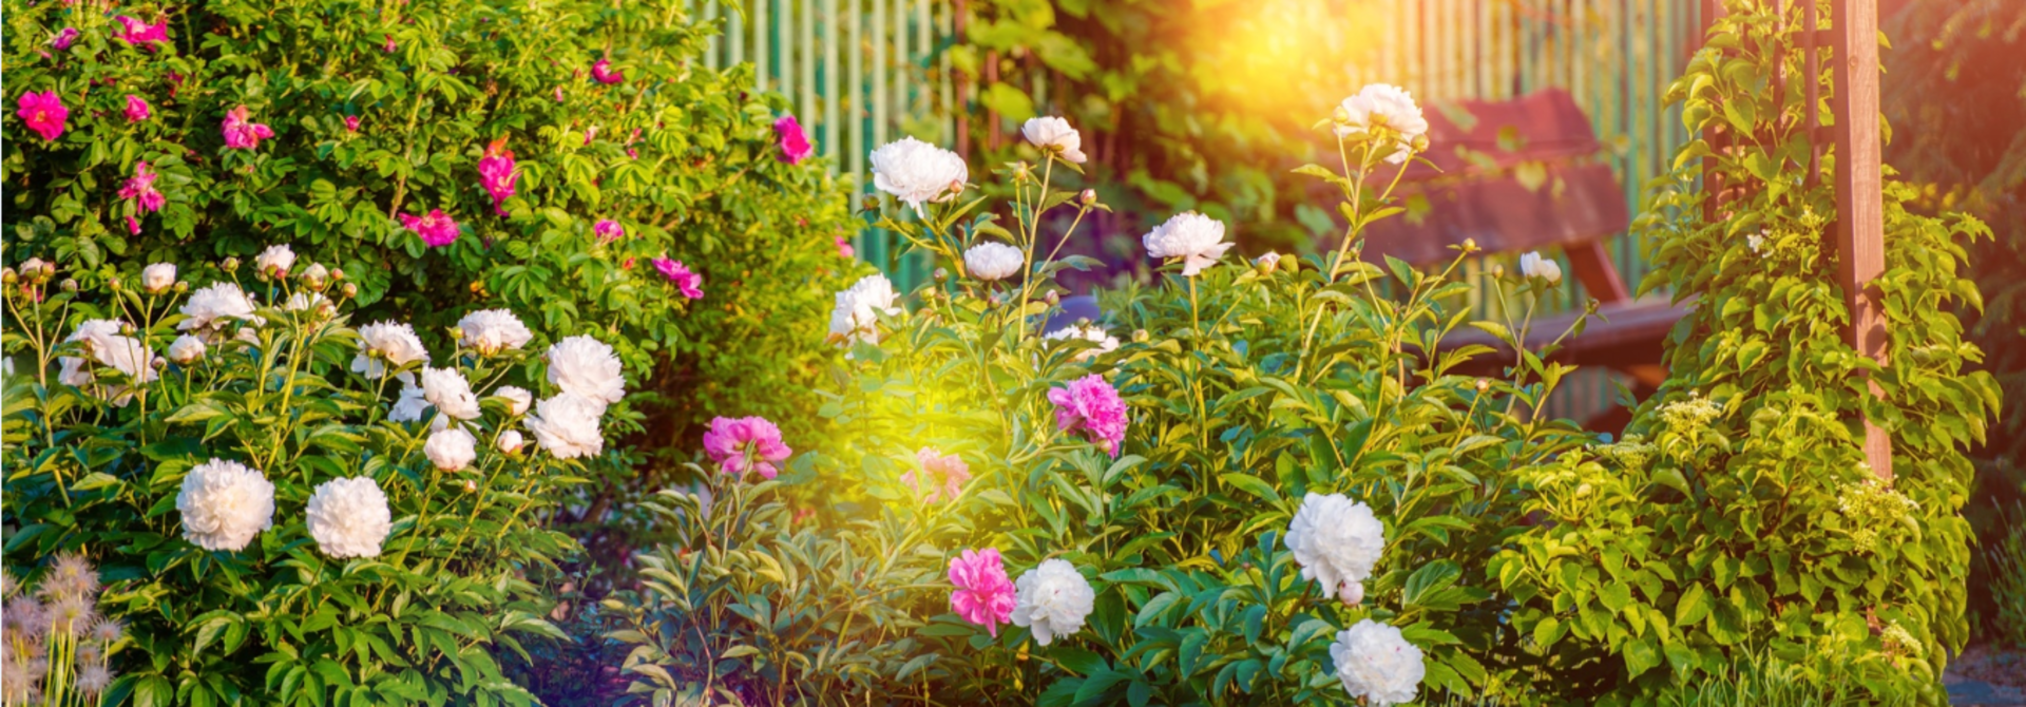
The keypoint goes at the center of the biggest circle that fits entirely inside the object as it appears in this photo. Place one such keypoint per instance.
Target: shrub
(1738, 510)
(1151, 470)
(295, 508)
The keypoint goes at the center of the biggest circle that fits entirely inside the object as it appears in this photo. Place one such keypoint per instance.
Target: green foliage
(1738, 511)
(98, 469)
(681, 155)
(1249, 387)
(2001, 568)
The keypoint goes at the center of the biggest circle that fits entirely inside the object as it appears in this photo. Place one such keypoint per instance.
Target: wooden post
(1860, 209)
(960, 21)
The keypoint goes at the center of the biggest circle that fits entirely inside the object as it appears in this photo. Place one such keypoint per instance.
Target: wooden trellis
(1859, 240)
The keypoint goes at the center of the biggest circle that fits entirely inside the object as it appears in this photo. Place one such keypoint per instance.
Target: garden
(580, 353)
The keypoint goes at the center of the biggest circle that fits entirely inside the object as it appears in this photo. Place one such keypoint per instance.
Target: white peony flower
(447, 389)
(587, 367)
(186, 350)
(305, 302)
(1197, 239)
(97, 334)
(1375, 662)
(1533, 265)
(992, 260)
(510, 441)
(856, 315)
(208, 309)
(349, 517)
(518, 399)
(451, 449)
(567, 425)
(1383, 105)
(1093, 333)
(917, 172)
(396, 345)
(1335, 540)
(277, 258)
(224, 504)
(1054, 135)
(1052, 600)
(490, 331)
(104, 343)
(412, 403)
(158, 277)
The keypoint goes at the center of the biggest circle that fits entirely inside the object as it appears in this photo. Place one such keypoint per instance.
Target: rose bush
(286, 507)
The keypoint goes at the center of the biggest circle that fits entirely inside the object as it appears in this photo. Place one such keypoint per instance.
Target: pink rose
(602, 72)
(844, 247)
(242, 133)
(137, 109)
(679, 274)
(352, 123)
(436, 228)
(44, 113)
(389, 46)
(63, 39)
(141, 189)
(608, 230)
(497, 174)
(141, 34)
(794, 144)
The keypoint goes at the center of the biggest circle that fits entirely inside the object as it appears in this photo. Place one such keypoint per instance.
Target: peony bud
(1483, 385)
(158, 277)
(1140, 336)
(870, 203)
(1420, 143)
(7, 276)
(1352, 593)
(1266, 263)
(113, 284)
(510, 441)
(126, 329)
(230, 265)
(1469, 245)
(942, 275)
(1087, 197)
(337, 274)
(349, 290)
(315, 276)
(159, 363)
(1052, 298)
(69, 285)
(470, 486)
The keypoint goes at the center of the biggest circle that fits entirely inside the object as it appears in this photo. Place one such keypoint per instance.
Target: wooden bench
(1479, 146)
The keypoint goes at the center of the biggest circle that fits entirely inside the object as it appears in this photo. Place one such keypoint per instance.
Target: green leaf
(1253, 485)
(1694, 605)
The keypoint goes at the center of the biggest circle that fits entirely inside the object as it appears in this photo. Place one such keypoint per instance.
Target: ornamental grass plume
(224, 505)
(349, 517)
(44, 113)
(740, 445)
(1375, 662)
(1052, 600)
(54, 643)
(984, 596)
(1336, 541)
(1091, 406)
(940, 476)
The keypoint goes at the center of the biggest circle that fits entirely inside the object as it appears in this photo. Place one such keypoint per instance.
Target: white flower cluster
(158, 277)
(1054, 136)
(490, 331)
(1052, 600)
(1533, 265)
(917, 172)
(349, 517)
(1384, 106)
(992, 260)
(384, 345)
(856, 314)
(1197, 239)
(1336, 541)
(102, 341)
(1377, 663)
(277, 260)
(211, 309)
(1106, 343)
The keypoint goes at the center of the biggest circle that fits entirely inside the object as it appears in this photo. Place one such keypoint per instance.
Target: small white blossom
(587, 367)
(510, 441)
(1385, 105)
(396, 345)
(1052, 600)
(158, 277)
(567, 425)
(1757, 240)
(447, 389)
(1197, 239)
(1375, 662)
(1533, 265)
(349, 517)
(518, 399)
(224, 504)
(856, 314)
(490, 331)
(412, 403)
(277, 258)
(1053, 134)
(917, 172)
(104, 343)
(210, 308)
(992, 260)
(1093, 333)
(307, 302)
(186, 350)
(451, 449)
(1335, 540)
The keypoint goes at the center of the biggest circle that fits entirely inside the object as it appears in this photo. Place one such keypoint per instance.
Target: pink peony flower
(608, 230)
(950, 471)
(794, 144)
(137, 108)
(141, 34)
(1091, 406)
(242, 133)
(745, 444)
(497, 175)
(63, 39)
(436, 228)
(984, 595)
(389, 46)
(142, 190)
(844, 247)
(44, 113)
(679, 274)
(603, 73)
(352, 123)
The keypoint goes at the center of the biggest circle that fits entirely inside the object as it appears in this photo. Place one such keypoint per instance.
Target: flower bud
(1420, 143)
(1497, 270)
(1140, 336)
(159, 363)
(337, 274)
(1469, 245)
(350, 290)
(113, 284)
(1341, 116)
(1267, 263)
(7, 276)
(470, 486)
(1483, 385)
(230, 265)
(942, 275)
(1087, 197)
(1022, 172)
(316, 276)
(1052, 298)
(126, 329)
(69, 285)
(510, 441)
(870, 203)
